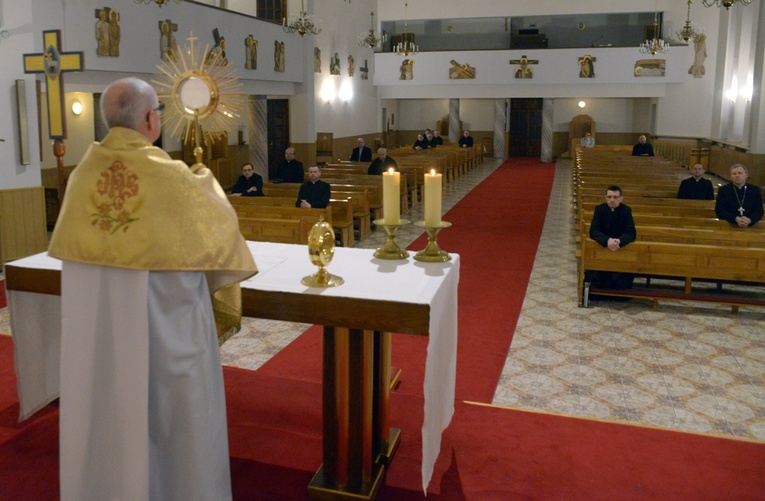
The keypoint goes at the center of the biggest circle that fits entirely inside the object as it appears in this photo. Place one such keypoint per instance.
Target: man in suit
(696, 187)
(291, 170)
(739, 202)
(361, 153)
(466, 141)
(612, 227)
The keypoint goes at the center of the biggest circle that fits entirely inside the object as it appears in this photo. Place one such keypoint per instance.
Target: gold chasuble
(129, 205)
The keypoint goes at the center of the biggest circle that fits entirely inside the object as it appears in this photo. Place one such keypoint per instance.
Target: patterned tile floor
(679, 366)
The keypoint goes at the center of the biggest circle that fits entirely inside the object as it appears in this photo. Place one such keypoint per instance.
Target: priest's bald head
(132, 103)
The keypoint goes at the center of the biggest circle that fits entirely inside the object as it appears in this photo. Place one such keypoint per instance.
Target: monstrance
(196, 93)
(321, 250)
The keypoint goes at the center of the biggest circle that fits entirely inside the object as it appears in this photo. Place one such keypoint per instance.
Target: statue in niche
(407, 69)
(114, 33)
(700, 47)
(364, 70)
(250, 53)
(217, 54)
(461, 71)
(316, 60)
(334, 65)
(351, 66)
(587, 67)
(102, 31)
(168, 47)
(279, 56)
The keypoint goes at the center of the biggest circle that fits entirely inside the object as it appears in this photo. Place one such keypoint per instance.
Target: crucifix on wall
(53, 63)
(523, 70)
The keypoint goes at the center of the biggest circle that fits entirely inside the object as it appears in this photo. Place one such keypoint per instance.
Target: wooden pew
(687, 262)
(307, 217)
(342, 212)
(289, 231)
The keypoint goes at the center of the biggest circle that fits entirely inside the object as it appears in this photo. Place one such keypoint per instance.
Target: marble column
(547, 129)
(454, 120)
(257, 128)
(500, 124)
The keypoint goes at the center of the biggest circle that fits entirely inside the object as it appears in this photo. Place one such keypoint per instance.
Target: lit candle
(391, 197)
(432, 199)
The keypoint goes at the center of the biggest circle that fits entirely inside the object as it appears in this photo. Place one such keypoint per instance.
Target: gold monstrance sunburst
(198, 91)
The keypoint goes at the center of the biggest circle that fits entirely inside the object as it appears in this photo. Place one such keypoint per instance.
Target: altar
(379, 297)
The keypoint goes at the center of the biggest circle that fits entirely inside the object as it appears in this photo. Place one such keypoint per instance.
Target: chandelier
(724, 3)
(371, 38)
(406, 46)
(160, 2)
(689, 31)
(302, 23)
(656, 45)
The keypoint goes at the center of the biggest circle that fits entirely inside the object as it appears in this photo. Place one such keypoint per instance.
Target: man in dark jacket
(249, 184)
(612, 227)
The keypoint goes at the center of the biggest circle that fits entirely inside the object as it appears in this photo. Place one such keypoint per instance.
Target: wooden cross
(523, 71)
(53, 63)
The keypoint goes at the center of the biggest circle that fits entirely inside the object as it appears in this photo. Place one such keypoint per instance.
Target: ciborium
(321, 250)
(391, 249)
(432, 253)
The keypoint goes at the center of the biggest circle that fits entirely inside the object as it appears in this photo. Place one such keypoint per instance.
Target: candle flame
(390, 170)
(432, 172)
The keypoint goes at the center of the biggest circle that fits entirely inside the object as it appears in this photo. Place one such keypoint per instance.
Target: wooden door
(526, 127)
(278, 133)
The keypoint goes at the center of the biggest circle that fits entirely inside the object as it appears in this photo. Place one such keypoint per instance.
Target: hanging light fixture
(656, 45)
(689, 31)
(158, 2)
(371, 38)
(302, 23)
(724, 3)
(406, 46)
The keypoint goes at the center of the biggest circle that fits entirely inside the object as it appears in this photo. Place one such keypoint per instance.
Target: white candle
(391, 197)
(432, 199)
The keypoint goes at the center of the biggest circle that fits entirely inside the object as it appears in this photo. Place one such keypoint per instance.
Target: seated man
(249, 184)
(466, 141)
(291, 170)
(437, 138)
(314, 194)
(430, 138)
(588, 141)
(642, 149)
(696, 187)
(361, 153)
(421, 143)
(739, 202)
(613, 227)
(381, 163)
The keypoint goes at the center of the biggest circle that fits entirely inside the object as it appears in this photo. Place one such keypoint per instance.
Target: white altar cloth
(36, 325)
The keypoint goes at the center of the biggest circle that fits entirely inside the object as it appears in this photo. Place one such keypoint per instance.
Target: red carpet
(3, 300)
(275, 443)
(497, 243)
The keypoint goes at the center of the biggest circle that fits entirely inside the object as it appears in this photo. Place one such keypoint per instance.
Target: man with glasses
(151, 259)
(291, 170)
(249, 184)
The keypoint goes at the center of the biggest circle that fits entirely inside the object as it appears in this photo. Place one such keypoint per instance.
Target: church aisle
(681, 367)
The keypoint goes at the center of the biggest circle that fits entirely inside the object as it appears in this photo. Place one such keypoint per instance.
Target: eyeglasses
(160, 107)
(246, 170)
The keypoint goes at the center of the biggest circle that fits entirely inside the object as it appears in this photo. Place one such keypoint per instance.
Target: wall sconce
(327, 90)
(346, 91)
(582, 104)
(76, 107)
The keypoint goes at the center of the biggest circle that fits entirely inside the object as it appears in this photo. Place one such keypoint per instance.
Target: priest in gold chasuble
(152, 259)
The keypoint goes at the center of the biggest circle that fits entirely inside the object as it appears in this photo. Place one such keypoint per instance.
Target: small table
(378, 297)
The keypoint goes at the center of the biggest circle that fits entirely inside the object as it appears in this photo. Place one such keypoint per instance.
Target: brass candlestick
(391, 249)
(432, 253)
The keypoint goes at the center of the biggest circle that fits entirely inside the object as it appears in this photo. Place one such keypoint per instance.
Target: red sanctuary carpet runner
(487, 453)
